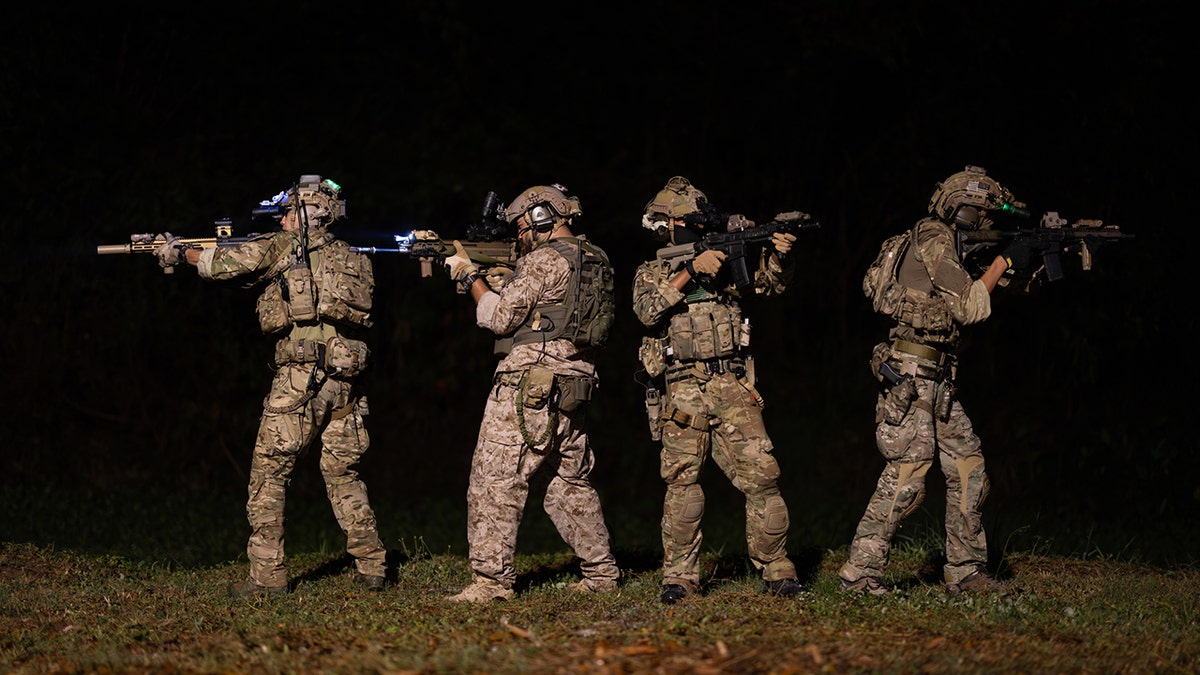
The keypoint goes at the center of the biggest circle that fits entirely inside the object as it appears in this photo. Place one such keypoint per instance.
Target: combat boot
(784, 588)
(868, 585)
(672, 593)
(594, 586)
(979, 581)
(249, 589)
(370, 582)
(483, 589)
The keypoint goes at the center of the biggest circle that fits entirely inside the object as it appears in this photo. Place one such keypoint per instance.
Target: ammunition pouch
(927, 312)
(708, 330)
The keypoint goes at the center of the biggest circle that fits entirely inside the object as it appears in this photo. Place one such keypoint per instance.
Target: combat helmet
(677, 199)
(321, 199)
(547, 205)
(964, 198)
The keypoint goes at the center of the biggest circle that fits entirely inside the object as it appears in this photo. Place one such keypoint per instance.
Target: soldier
(919, 280)
(711, 404)
(317, 297)
(550, 316)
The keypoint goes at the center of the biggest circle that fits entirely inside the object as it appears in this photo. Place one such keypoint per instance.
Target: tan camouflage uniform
(505, 460)
(334, 414)
(711, 406)
(908, 433)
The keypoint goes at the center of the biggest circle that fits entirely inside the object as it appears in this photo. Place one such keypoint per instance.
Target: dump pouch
(345, 357)
(573, 391)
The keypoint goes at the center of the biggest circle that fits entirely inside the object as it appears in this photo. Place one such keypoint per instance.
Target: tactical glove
(707, 263)
(170, 253)
(497, 276)
(460, 264)
(1018, 255)
(783, 242)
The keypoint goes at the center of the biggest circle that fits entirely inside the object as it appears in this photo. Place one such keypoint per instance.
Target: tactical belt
(705, 368)
(941, 360)
(513, 378)
(922, 351)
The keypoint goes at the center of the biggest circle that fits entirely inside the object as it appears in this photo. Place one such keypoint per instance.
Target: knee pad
(910, 489)
(775, 516)
(693, 504)
(973, 481)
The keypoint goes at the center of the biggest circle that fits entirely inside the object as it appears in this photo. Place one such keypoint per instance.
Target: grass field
(125, 586)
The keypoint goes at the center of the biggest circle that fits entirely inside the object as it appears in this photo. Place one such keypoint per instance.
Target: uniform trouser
(502, 469)
(334, 415)
(909, 448)
(719, 416)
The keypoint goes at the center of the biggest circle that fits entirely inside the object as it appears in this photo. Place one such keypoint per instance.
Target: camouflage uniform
(914, 422)
(711, 405)
(534, 440)
(297, 411)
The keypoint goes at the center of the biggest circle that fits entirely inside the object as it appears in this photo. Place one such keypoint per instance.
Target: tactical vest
(917, 305)
(586, 312)
(344, 281)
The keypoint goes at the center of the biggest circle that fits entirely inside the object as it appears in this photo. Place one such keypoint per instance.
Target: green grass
(115, 581)
(62, 611)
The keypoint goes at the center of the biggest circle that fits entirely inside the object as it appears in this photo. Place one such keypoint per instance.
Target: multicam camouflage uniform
(305, 401)
(923, 414)
(711, 406)
(525, 435)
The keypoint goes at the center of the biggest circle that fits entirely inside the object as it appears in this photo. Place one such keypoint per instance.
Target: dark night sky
(120, 121)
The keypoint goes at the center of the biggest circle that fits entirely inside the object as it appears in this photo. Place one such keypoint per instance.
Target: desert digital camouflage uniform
(518, 444)
(912, 426)
(295, 415)
(711, 407)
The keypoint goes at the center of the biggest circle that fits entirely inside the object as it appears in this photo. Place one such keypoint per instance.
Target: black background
(124, 120)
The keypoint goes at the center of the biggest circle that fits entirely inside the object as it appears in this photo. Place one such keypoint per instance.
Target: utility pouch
(894, 404)
(945, 396)
(651, 354)
(345, 357)
(654, 409)
(272, 310)
(536, 387)
(301, 295)
(573, 391)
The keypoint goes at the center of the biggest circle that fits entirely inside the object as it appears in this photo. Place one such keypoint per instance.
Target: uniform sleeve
(259, 254)
(536, 274)
(653, 298)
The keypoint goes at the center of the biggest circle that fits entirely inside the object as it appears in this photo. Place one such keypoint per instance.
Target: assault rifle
(149, 243)
(1053, 237)
(739, 235)
(488, 242)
